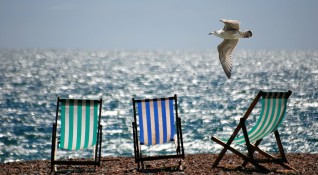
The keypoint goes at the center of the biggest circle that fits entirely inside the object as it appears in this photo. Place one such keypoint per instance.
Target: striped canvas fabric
(271, 117)
(79, 120)
(156, 121)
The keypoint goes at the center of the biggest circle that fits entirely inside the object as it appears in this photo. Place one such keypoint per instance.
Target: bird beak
(210, 33)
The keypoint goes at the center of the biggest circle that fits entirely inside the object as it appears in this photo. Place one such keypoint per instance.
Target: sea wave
(209, 103)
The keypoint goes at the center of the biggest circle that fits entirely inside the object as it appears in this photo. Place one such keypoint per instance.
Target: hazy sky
(150, 24)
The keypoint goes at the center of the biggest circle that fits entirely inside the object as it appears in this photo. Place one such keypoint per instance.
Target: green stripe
(62, 124)
(80, 114)
(278, 102)
(87, 123)
(79, 124)
(95, 122)
(284, 101)
(260, 125)
(270, 123)
(259, 119)
(267, 121)
(71, 123)
(275, 119)
(271, 120)
(266, 107)
(282, 107)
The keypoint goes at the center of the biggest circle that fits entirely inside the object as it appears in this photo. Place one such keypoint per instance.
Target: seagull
(231, 34)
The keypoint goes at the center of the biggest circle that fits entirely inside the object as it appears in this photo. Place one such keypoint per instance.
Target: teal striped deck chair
(272, 114)
(77, 127)
(156, 122)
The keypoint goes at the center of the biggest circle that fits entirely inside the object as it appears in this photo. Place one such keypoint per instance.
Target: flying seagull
(231, 34)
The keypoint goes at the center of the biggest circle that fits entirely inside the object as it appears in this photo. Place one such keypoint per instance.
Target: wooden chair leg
(226, 146)
(248, 112)
(280, 146)
(253, 150)
(247, 140)
(243, 156)
(138, 165)
(218, 159)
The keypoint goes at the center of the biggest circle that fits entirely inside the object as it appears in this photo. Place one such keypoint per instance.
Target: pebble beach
(192, 164)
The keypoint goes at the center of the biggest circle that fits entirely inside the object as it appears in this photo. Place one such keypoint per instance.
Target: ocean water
(209, 103)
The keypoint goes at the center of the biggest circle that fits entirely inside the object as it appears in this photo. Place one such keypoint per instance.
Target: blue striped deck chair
(157, 123)
(272, 114)
(77, 127)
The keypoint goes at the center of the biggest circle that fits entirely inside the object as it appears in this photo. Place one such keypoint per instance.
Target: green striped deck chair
(157, 123)
(272, 114)
(77, 127)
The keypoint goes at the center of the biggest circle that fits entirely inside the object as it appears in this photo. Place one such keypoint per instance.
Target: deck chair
(77, 127)
(272, 114)
(158, 123)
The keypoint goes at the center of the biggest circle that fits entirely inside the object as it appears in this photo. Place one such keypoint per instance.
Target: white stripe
(276, 99)
(265, 130)
(262, 130)
(144, 122)
(259, 134)
(67, 121)
(252, 135)
(160, 121)
(91, 123)
(280, 115)
(152, 121)
(273, 117)
(168, 118)
(267, 118)
(83, 124)
(74, 125)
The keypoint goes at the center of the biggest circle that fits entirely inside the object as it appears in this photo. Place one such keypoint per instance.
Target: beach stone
(192, 164)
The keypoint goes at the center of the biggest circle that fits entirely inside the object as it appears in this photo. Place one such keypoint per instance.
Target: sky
(152, 25)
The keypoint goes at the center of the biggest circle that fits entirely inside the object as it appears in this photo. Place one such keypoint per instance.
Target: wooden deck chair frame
(252, 148)
(139, 159)
(55, 142)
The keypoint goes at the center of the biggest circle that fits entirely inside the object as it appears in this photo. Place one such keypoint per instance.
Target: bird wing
(225, 50)
(231, 24)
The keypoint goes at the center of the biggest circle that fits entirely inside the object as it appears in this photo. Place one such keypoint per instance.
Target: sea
(209, 103)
